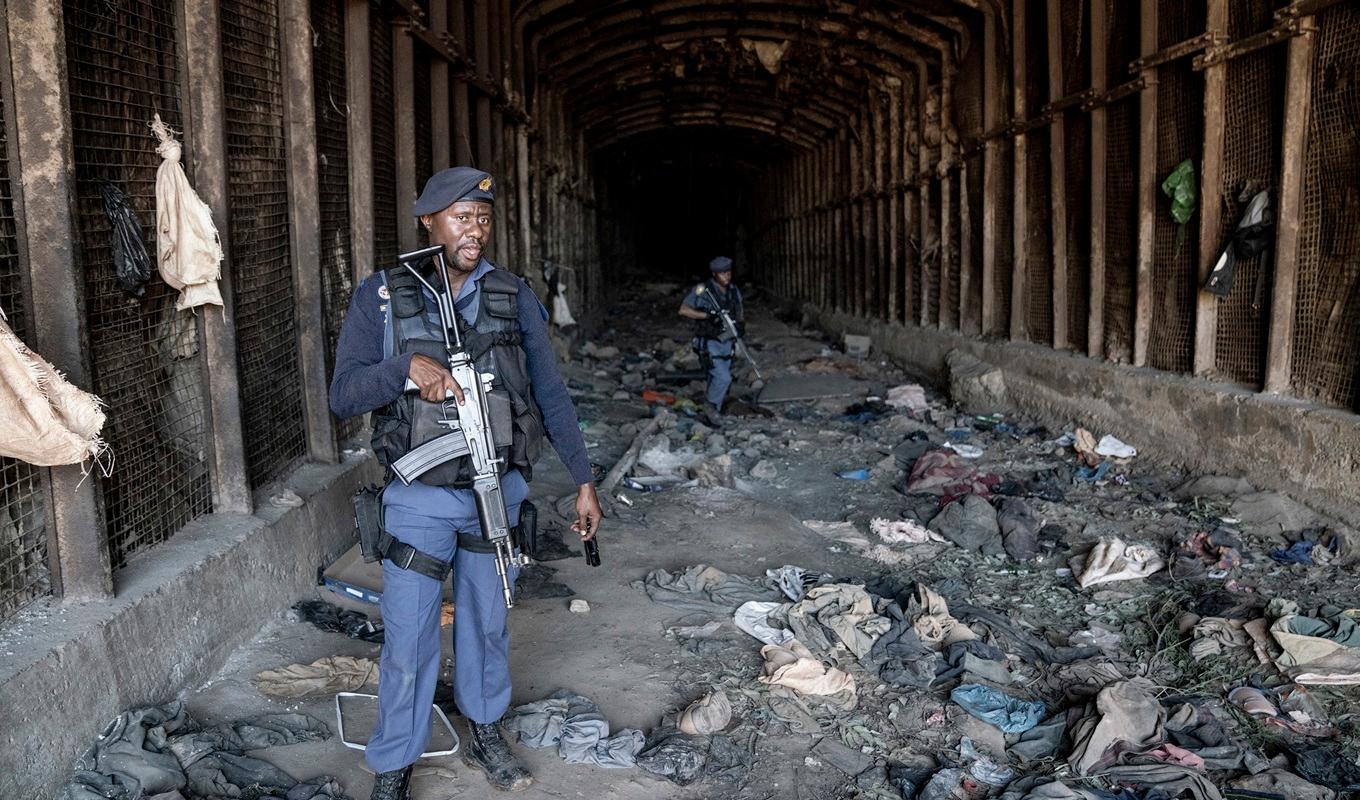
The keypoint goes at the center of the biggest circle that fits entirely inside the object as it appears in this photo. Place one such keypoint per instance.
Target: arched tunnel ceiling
(794, 70)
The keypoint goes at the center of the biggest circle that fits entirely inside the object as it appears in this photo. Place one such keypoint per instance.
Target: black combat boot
(488, 751)
(394, 785)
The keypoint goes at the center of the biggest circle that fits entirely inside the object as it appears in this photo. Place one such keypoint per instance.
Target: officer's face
(463, 228)
(723, 278)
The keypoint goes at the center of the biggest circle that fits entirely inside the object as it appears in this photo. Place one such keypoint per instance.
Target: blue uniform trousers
(429, 518)
(720, 373)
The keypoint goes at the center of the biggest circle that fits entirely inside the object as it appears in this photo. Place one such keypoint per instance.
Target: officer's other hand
(588, 512)
(434, 379)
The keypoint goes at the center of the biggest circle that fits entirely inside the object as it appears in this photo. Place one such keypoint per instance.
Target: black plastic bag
(131, 263)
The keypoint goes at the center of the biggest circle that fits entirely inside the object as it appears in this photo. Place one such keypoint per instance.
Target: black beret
(448, 186)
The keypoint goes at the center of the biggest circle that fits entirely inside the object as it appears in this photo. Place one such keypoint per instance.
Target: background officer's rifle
(729, 326)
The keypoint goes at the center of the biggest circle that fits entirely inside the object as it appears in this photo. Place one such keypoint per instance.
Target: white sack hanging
(44, 420)
(190, 254)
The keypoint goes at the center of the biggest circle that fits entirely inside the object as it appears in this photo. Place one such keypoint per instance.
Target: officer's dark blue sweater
(365, 381)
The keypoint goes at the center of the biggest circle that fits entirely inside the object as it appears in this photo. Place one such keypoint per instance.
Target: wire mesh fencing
(122, 67)
(257, 195)
(330, 100)
(384, 138)
(1253, 124)
(1327, 311)
(25, 573)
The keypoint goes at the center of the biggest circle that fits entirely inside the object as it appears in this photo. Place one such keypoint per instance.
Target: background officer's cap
(720, 264)
(448, 186)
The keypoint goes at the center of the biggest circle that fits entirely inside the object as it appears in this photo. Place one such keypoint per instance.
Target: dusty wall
(1275, 442)
(181, 610)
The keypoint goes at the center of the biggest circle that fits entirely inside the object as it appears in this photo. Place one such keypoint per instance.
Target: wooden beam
(992, 190)
(1057, 178)
(206, 138)
(404, 112)
(439, 92)
(58, 327)
(1211, 193)
(896, 144)
(1020, 182)
(1298, 103)
(1147, 191)
(1100, 36)
(304, 226)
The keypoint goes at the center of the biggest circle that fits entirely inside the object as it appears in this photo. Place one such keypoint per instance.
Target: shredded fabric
(325, 675)
(902, 531)
(794, 666)
(44, 420)
(188, 250)
(1113, 560)
(576, 727)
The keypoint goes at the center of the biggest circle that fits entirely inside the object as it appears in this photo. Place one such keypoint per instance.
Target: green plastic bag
(1180, 187)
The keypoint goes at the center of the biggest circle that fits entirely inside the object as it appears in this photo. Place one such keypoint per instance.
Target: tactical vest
(712, 328)
(493, 343)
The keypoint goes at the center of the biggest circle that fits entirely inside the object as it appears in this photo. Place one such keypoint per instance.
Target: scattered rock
(714, 472)
(579, 606)
(1270, 513)
(974, 384)
(765, 470)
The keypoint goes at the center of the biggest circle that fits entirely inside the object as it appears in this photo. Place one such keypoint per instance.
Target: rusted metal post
(460, 125)
(207, 137)
(1298, 103)
(1147, 189)
(923, 187)
(1100, 35)
(1057, 177)
(966, 314)
(1020, 187)
(359, 122)
(58, 330)
(439, 90)
(481, 54)
(946, 317)
(304, 226)
(859, 265)
(993, 192)
(1211, 194)
(404, 112)
(896, 141)
(910, 204)
(882, 265)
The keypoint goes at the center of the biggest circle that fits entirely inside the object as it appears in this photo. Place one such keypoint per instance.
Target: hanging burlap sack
(188, 250)
(44, 420)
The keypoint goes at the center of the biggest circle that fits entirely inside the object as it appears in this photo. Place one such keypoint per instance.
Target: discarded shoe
(394, 785)
(488, 751)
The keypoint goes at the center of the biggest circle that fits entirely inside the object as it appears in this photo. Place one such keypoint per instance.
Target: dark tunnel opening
(674, 199)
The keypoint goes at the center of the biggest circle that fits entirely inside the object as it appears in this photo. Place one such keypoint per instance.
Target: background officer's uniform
(712, 339)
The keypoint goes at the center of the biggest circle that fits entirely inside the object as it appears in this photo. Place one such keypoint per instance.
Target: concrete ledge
(1278, 443)
(178, 613)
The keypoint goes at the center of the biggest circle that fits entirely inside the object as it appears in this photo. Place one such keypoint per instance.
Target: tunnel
(1139, 213)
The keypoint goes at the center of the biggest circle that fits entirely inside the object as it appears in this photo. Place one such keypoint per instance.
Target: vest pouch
(528, 441)
(391, 435)
(502, 422)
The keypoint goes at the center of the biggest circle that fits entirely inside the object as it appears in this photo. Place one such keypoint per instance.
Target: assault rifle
(469, 425)
(728, 325)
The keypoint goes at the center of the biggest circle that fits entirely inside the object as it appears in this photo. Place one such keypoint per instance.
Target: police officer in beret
(712, 341)
(436, 515)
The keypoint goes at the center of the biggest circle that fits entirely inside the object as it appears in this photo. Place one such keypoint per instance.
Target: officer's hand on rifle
(588, 512)
(433, 379)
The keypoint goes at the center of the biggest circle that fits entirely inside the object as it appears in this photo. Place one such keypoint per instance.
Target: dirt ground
(620, 655)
